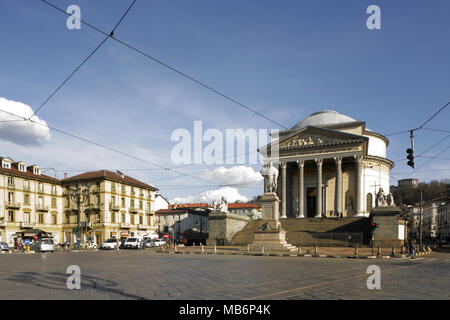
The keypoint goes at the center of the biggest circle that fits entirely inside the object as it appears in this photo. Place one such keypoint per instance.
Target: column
(338, 191)
(301, 189)
(283, 190)
(358, 170)
(319, 188)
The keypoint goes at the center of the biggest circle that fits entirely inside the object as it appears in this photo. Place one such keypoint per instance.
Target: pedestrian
(413, 249)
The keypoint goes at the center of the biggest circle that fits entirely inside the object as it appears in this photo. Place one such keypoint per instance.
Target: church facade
(329, 164)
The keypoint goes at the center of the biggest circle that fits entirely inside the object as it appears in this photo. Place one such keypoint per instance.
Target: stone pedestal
(223, 226)
(271, 236)
(387, 232)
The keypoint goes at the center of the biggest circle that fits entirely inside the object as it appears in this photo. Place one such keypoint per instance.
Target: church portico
(326, 170)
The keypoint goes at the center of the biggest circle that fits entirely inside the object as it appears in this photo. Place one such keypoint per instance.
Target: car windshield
(131, 240)
(47, 241)
(111, 240)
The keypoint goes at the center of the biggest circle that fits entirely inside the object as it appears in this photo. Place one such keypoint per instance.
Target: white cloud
(232, 176)
(230, 194)
(21, 132)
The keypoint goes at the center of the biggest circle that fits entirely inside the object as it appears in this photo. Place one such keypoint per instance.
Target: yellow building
(115, 206)
(29, 201)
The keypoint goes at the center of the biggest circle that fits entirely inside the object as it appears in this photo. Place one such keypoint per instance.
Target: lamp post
(79, 196)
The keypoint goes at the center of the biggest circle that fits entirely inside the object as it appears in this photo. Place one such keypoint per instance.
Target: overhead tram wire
(110, 35)
(106, 147)
(248, 108)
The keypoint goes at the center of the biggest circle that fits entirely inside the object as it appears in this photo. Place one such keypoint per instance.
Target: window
(41, 218)
(113, 217)
(140, 204)
(36, 170)
(41, 202)
(53, 202)
(40, 187)
(26, 199)
(11, 216)
(141, 220)
(10, 181)
(22, 167)
(26, 185)
(67, 217)
(132, 203)
(53, 189)
(26, 217)
(11, 196)
(123, 202)
(54, 220)
(132, 219)
(123, 218)
(6, 164)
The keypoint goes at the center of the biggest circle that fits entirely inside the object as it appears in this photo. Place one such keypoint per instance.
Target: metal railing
(331, 239)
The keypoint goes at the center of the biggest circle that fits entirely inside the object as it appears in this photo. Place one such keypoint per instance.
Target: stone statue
(270, 174)
(214, 206)
(381, 198)
(223, 205)
(390, 200)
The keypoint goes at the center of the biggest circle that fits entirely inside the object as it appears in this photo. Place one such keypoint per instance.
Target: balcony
(141, 195)
(26, 188)
(123, 191)
(143, 226)
(95, 206)
(133, 210)
(12, 205)
(125, 225)
(41, 207)
(148, 211)
(41, 191)
(114, 207)
(11, 185)
(27, 225)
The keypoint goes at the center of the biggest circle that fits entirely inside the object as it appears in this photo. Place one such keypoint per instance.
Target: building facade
(177, 220)
(29, 201)
(430, 220)
(329, 164)
(253, 211)
(112, 205)
(444, 220)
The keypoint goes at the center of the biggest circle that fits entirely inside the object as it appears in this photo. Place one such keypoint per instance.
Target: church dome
(323, 118)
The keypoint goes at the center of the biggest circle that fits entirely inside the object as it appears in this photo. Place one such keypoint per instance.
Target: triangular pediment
(318, 137)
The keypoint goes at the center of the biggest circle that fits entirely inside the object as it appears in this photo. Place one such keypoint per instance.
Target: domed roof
(323, 118)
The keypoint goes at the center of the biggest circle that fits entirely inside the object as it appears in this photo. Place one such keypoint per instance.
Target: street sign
(27, 241)
(35, 236)
(166, 236)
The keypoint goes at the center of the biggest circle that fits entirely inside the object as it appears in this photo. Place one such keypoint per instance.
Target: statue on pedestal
(223, 205)
(270, 174)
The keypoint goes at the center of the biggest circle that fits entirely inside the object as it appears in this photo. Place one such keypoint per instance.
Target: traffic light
(373, 226)
(410, 157)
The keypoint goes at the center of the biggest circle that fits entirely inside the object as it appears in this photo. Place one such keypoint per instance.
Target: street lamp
(79, 196)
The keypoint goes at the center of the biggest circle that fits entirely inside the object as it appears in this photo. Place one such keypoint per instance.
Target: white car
(109, 244)
(133, 243)
(46, 244)
(158, 242)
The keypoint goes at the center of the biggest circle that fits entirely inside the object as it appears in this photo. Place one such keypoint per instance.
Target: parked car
(4, 246)
(158, 242)
(109, 244)
(43, 245)
(133, 243)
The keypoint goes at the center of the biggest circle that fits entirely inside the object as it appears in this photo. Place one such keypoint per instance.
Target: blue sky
(286, 59)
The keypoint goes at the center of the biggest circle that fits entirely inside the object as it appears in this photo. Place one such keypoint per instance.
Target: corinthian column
(301, 189)
(319, 188)
(338, 191)
(358, 160)
(283, 190)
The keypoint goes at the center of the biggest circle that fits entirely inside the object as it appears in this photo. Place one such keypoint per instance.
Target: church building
(329, 164)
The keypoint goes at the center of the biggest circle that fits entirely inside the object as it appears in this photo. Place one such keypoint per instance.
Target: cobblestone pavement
(151, 275)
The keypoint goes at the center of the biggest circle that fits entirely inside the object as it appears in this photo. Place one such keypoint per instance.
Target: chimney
(65, 175)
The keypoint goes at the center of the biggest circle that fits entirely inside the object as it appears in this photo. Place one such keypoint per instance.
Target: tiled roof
(190, 205)
(28, 174)
(243, 206)
(106, 174)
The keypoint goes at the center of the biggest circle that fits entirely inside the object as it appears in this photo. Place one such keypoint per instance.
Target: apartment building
(444, 220)
(30, 202)
(112, 205)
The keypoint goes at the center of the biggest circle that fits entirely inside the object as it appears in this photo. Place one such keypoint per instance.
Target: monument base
(271, 241)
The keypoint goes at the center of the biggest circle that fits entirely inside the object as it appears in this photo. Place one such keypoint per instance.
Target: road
(151, 275)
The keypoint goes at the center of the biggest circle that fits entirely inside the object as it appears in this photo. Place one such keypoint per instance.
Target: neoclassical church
(329, 163)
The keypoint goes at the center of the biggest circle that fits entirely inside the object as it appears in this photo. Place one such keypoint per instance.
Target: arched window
(369, 202)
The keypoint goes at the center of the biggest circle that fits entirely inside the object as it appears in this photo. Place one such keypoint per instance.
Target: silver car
(45, 245)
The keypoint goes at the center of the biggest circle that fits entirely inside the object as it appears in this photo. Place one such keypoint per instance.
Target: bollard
(203, 249)
(316, 250)
(393, 251)
(379, 251)
(248, 248)
(356, 250)
(175, 248)
(215, 249)
(299, 249)
(262, 249)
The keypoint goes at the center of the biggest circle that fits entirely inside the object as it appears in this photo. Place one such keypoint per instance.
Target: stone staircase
(301, 231)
